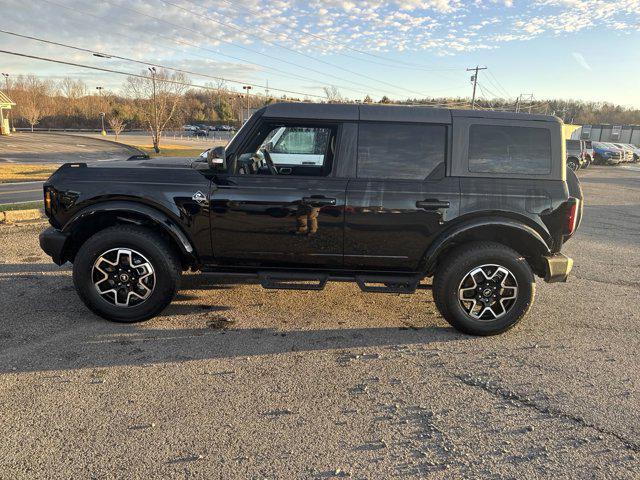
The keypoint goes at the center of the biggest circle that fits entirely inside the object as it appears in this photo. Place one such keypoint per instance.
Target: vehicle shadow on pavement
(106, 345)
(46, 327)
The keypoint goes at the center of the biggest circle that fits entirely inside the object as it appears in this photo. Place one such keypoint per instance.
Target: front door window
(295, 150)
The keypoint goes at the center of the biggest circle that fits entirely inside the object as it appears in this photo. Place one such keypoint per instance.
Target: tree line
(158, 101)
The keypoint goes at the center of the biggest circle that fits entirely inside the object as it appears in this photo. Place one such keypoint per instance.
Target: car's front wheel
(126, 273)
(483, 288)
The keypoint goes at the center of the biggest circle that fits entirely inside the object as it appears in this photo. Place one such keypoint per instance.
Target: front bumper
(53, 242)
(557, 268)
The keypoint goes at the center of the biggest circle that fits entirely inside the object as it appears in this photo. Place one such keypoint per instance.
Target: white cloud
(581, 60)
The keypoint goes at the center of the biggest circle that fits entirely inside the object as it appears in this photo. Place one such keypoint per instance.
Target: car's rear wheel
(126, 273)
(483, 288)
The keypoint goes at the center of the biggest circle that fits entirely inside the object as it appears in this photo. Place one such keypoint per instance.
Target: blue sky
(580, 49)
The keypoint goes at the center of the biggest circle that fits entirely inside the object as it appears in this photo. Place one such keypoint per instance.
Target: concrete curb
(13, 216)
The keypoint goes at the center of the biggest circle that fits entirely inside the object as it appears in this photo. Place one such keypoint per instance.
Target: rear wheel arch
(516, 235)
(91, 220)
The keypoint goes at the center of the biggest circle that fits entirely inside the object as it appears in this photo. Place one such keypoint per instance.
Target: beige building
(5, 105)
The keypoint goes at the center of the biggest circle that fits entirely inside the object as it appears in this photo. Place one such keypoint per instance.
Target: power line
(111, 70)
(333, 42)
(153, 64)
(200, 47)
(316, 59)
(247, 48)
(176, 82)
(499, 85)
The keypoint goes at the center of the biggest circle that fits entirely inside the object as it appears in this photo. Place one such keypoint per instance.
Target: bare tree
(333, 94)
(34, 98)
(157, 97)
(117, 125)
(73, 89)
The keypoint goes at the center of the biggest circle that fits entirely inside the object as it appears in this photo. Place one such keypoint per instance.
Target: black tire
(573, 164)
(455, 268)
(164, 261)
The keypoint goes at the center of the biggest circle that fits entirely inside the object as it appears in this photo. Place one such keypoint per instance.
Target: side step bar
(373, 283)
(292, 281)
(387, 284)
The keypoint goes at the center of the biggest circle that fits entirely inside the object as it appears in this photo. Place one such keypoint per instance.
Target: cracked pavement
(233, 381)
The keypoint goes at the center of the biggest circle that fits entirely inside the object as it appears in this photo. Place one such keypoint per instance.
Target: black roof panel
(388, 113)
(319, 111)
(404, 113)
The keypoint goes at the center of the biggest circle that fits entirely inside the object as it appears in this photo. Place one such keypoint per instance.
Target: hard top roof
(387, 113)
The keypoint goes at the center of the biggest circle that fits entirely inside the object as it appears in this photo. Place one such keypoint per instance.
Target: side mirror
(216, 159)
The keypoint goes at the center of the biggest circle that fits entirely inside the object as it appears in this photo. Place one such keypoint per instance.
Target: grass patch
(173, 151)
(9, 207)
(20, 172)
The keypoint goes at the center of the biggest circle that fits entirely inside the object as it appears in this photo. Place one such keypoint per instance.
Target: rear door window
(400, 151)
(507, 149)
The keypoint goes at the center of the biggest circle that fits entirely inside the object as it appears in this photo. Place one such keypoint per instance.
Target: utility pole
(156, 140)
(266, 92)
(6, 78)
(474, 79)
(247, 88)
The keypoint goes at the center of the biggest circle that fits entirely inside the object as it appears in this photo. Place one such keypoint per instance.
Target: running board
(387, 284)
(373, 283)
(292, 281)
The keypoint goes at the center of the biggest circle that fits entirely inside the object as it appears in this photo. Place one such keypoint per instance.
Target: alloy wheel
(488, 292)
(123, 277)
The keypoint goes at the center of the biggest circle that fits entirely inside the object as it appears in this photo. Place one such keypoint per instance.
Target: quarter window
(506, 149)
(400, 151)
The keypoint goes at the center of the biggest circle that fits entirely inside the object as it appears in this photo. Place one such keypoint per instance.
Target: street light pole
(103, 132)
(247, 88)
(6, 78)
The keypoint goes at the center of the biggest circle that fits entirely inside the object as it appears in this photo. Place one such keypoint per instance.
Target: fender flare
(457, 232)
(153, 214)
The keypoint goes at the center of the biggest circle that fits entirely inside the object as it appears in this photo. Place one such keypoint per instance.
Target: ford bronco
(384, 196)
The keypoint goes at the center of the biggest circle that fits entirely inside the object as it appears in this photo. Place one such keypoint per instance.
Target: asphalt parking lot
(60, 148)
(233, 381)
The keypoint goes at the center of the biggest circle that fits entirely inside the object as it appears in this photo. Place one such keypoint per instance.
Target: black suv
(307, 193)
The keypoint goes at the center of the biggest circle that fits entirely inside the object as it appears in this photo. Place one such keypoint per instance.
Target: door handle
(430, 204)
(318, 201)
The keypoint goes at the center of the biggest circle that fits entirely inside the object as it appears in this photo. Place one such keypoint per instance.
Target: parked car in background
(588, 152)
(575, 154)
(636, 152)
(201, 132)
(189, 128)
(603, 154)
(628, 151)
